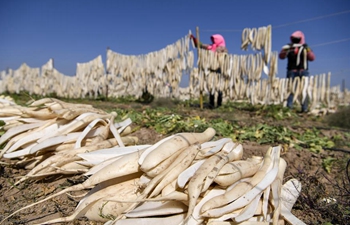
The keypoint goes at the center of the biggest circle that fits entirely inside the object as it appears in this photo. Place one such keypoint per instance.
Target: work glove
(306, 47)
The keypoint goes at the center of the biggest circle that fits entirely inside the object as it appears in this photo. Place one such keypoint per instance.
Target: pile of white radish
(186, 178)
(48, 135)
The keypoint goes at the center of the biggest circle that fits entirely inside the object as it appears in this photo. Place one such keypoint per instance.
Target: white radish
(241, 188)
(86, 130)
(185, 176)
(101, 155)
(151, 148)
(276, 188)
(234, 152)
(19, 129)
(163, 165)
(236, 170)
(169, 220)
(89, 205)
(54, 141)
(246, 198)
(248, 210)
(289, 194)
(195, 217)
(34, 136)
(169, 188)
(169, 147)
(161, 208)
(191, 153)
(212, 147)
(96, 166)
(116, 133)
(124, 166)
(195, 185)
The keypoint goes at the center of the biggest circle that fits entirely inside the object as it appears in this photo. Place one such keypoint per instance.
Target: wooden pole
(106, 78)
(199, 68)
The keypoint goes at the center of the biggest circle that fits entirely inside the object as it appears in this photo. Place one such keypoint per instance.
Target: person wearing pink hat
(218, 45)
(298, 54)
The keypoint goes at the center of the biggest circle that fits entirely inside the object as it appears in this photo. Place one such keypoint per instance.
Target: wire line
(331, 42)
(311, 19)
(284, 25)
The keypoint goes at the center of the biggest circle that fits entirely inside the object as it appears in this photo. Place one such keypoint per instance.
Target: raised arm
(284, 52)
(196, 44)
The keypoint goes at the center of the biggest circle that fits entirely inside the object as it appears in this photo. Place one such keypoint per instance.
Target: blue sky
(77, 31)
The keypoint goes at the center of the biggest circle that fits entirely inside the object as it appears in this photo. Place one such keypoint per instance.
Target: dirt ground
(302, 164)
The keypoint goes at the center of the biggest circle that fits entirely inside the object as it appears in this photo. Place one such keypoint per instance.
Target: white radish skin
(126, 131)
(101, 165)
(265, 202)
(256, 216)
(74, 112)
(173, 196)
(185, 176)
(169, 188)
(195, 185)
(276, 188)
(78, 123)
(19, 129)
(101, 155)
(255, 222)
(130, 140)
(155, 181)
(29, 163)
(169, 147)
(148, 209)
(66, 155)
(234, 171)
(195, 216)
(33, 133)
(10, 118)
(191, 153)
(10, 111)
(247, 197)
(103, 135)
(54, 141)
(71, 168)
(170, 220)
(127, 164)
(289, 217)
(241, 188)
(34, 136)
(122, 167)
(234, 153)
(212, 147)
(12, 141)
(151, 148)
(90, 205)
(289, 194)
(163, 165)
(115, 133)
(42, 113)
(19, 153)
(249, 210)
(112, 205)
(11, 124)
(86, 130)
(43, 101)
